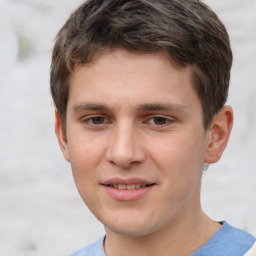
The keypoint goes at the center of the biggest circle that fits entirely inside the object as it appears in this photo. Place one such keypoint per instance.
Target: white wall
(40, 210)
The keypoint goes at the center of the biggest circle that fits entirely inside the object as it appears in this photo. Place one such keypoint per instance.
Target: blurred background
(41, 212)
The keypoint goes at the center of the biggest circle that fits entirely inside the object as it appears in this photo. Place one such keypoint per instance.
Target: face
(136, 141)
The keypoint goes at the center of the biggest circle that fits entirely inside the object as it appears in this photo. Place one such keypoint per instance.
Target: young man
(140, 88)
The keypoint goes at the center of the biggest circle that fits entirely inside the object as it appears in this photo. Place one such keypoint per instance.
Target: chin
(131, 227)
(129, 231)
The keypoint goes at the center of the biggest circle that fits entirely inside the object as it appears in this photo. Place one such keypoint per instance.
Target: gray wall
(41, 212)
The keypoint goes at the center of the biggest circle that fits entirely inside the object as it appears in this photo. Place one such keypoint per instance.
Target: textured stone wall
(41, 212)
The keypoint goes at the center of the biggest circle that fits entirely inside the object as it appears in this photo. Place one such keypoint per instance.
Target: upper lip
(126, 181)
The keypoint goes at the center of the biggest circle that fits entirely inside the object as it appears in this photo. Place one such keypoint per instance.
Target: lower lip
(128, 194)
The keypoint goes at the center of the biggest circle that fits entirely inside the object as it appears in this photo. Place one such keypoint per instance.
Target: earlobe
(61, 136)
(218, 134)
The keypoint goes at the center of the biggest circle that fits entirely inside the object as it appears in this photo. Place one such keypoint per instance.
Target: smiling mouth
(127, 190)
(128, 187)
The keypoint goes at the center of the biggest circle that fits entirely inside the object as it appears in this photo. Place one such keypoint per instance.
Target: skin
(137, 116)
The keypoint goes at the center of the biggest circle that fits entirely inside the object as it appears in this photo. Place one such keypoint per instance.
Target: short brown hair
(187, 30)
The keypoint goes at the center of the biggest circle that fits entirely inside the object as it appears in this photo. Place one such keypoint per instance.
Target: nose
(125, 147)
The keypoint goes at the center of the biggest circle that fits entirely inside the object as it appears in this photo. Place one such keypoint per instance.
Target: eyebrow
(141, 108)
(162, 107)
(89, 106)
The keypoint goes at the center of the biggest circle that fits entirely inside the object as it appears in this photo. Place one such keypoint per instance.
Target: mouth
(128, 187)
(127, 190)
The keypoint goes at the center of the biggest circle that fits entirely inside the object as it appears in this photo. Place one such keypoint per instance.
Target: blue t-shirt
(227, 241)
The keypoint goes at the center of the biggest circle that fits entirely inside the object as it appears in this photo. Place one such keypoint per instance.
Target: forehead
(123, 77)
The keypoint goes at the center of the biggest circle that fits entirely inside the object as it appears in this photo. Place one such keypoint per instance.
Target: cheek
(85, 149)
(180, 164)
(83, 165)
(179, 157)
(85, 157)
(174, 150)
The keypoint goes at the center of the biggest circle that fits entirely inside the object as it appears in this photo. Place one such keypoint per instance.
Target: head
(189, 32)
(139, 89)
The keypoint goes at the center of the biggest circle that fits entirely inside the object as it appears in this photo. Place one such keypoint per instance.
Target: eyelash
(89, 120)
(152, 120)
(162, 118)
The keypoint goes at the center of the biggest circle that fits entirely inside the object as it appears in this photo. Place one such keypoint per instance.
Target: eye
(97, 120)
(159, 120)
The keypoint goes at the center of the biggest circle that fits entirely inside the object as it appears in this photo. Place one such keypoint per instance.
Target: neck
(179, 238)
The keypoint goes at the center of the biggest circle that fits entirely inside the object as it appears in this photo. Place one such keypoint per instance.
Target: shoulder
(92, 249)
(227, 241)
(237, 237)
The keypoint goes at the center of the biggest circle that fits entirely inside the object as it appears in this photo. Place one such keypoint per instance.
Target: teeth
(122, 187)
(128, 187)
(138, 185)
(131, 186)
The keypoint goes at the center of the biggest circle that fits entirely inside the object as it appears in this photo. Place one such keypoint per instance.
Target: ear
(61, 136)
(218, 134)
